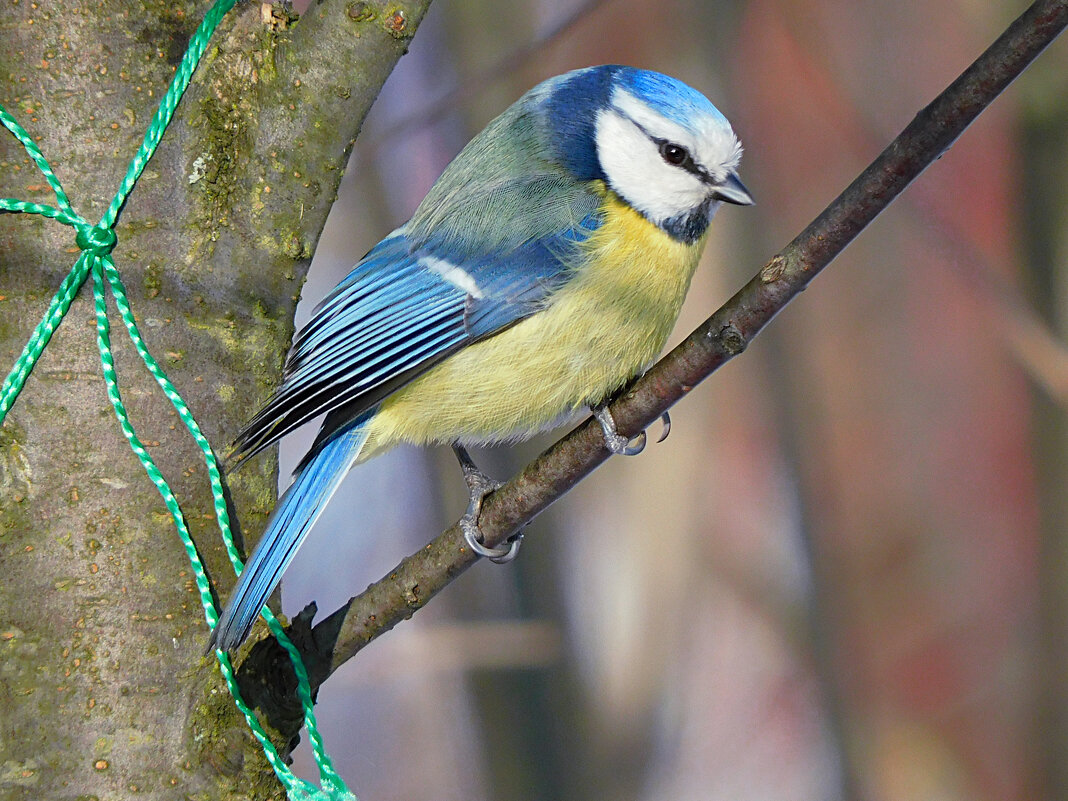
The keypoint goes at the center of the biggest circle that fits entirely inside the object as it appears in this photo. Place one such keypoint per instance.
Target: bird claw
(613, 440)
(479, 485)
(665, 418)
(621, 445)
(634, 446)
(500, 555)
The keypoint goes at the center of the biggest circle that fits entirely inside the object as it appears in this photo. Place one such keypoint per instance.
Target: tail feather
(294, 515)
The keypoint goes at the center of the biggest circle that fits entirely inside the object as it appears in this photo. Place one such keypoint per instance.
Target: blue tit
(543, 271)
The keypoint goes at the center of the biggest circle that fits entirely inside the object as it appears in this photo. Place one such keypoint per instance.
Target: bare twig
(720, 338)
(1028, 338)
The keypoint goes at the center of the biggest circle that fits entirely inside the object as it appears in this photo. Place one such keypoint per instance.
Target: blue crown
(668, 96)
(575, 98)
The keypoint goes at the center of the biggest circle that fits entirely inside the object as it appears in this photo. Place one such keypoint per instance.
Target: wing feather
(491, 242)
(380, 323)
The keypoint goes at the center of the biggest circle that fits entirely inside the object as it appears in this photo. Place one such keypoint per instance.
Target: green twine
(96, 243)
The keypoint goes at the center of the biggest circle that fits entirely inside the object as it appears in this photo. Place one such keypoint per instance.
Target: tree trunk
(104, 689)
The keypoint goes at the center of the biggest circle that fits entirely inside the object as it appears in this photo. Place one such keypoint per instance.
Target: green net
(96, 243)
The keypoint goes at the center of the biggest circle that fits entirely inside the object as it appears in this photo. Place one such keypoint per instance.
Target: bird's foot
(619, 444)
(479, 485)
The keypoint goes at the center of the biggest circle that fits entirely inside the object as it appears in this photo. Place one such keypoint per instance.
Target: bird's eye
(674, 154)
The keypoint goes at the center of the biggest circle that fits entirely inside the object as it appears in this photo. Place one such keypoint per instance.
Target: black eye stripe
(687, 163)
(666, 146)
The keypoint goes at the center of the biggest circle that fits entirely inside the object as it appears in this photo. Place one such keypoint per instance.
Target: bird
(542, 272)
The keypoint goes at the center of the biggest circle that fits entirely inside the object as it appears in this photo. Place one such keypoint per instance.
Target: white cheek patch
(456, 276)
(711, 140)
(635, 170)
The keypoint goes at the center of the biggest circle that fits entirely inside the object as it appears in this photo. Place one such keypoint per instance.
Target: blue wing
(406, 305)
(388, 315)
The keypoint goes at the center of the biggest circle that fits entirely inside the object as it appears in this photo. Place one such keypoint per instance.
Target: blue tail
(294, 515)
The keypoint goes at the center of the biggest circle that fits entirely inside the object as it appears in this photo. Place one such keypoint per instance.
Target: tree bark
(104, 691)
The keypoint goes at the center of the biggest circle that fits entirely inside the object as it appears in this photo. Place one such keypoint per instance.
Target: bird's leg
(616, 442)
(613, 440)
(479, 485)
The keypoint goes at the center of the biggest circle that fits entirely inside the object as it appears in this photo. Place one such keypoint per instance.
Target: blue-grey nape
(572, 119)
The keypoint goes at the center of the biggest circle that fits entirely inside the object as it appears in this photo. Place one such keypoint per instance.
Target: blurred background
(845, 574)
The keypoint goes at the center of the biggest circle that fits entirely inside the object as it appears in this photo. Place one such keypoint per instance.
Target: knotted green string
(96, 243)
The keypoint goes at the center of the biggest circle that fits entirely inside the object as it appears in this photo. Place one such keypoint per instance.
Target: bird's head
(657, 143)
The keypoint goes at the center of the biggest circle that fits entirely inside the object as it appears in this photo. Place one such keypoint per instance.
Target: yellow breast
(602, 328)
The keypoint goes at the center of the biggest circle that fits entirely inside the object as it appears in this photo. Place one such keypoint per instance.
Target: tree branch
(723, 336)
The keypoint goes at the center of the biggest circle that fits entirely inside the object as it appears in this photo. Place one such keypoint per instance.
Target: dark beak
(732, 190)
